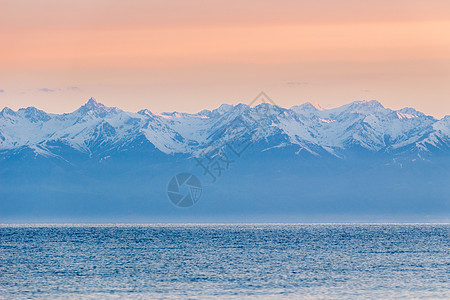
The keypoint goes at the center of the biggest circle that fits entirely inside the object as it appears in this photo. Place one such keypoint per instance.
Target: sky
(191, 55)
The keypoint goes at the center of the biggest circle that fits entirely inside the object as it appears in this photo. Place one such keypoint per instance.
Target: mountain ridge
(360, 123)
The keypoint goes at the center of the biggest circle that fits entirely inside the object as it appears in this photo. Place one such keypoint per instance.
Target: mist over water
(227, 261)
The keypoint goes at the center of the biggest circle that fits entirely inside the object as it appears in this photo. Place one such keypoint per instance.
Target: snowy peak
(92, 104)
(307, 108)
(7, 111)
(223, 109)
(360, 107)
(409, 113)
(365, 103)
(316, 105)
(33, 114)
(96, 109)
(363, 107)
(145, 112)
(311, 106)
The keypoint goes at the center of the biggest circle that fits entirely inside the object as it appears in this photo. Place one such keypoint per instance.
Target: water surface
(225, 261)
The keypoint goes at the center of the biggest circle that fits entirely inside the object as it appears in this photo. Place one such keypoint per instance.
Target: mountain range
(360, 159)
(94, 129)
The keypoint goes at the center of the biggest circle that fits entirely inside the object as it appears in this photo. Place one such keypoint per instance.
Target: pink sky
(190, 55)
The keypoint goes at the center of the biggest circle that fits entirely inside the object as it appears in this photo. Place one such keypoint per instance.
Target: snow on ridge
(405, 116)
(327, 120)
(316, 106)
(162, 116)
(366, 123)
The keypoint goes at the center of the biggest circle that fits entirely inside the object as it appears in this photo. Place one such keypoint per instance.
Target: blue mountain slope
(357, 160)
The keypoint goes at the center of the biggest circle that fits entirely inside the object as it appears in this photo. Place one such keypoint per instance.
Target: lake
(269, 261)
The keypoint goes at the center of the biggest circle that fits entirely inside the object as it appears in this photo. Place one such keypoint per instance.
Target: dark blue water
(225, 261)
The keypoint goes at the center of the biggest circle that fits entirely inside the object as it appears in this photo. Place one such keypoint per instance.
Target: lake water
(226, 261)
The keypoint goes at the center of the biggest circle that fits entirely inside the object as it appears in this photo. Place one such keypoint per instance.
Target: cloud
(46, 90)
(2, 91)
(74, 88)
(291, 83)
(69, 88)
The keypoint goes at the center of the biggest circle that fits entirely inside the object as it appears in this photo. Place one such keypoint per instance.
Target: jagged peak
(7, 111)
(93, 104)
(225, 108)
(98, 108)
(408, 113)
(33, 114)
(360, 107)
(204, 112)
(367, 103)
(269, 109)
(409, 110)
(264, 105)
(145, 112)
(170, 114)
(30, 109)
(308, 106)
(314, 105)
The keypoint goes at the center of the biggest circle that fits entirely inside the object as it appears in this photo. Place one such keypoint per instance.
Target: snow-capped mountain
(98, 161)
(95, 129)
